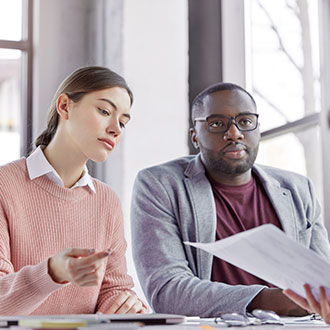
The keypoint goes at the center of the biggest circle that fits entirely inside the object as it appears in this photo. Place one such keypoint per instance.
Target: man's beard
(217, 162)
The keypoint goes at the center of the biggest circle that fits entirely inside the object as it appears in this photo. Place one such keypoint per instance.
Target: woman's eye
(104, 112)
(122, 125)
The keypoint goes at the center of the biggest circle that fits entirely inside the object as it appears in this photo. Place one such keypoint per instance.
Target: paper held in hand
(266, 252)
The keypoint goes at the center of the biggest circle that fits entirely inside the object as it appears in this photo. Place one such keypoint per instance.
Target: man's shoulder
(175, 166)
(283, 177)
(171, 173)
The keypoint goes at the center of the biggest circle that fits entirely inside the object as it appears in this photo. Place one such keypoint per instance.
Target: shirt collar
(38, 165)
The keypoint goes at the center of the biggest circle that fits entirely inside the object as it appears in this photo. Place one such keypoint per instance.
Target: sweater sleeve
(116, 279)
(21, 291)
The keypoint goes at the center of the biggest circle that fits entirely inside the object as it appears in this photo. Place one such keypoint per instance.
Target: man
(210, 196)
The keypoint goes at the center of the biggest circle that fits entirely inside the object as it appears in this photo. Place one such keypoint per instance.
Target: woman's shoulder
(10, 170)
(104, 189)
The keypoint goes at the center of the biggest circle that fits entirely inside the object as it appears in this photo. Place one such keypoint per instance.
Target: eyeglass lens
(244, 122)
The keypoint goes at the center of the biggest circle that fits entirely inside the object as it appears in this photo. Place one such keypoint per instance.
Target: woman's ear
(193, 138)
(62, 105)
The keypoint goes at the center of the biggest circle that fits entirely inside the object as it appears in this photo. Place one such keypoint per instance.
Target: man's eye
(216, 123)
(104, 112)
(246, 122)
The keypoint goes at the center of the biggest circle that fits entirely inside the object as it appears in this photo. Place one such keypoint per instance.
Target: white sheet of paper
(266, 252)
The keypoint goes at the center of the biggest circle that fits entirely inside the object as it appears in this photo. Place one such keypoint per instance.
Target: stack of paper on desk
(268, 253)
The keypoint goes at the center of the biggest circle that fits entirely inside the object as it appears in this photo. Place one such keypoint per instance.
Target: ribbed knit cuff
(41, 281)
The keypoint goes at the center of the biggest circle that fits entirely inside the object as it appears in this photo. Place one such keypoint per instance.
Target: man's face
(231, 152)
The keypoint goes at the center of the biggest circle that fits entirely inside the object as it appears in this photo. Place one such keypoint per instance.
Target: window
(285, 80)
(15, 73)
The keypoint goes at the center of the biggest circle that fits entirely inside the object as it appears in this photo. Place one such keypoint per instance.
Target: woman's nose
(114, 127)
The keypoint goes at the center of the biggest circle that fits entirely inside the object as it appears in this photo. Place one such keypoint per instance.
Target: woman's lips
(107, 143)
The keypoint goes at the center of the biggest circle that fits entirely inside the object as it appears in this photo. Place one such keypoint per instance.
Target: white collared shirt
(38, 165)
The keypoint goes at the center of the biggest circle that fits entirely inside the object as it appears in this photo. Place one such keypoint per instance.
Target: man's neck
(236, 179)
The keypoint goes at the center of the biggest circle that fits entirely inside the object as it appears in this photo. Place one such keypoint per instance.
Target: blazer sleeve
(163, 267)
(315, 230)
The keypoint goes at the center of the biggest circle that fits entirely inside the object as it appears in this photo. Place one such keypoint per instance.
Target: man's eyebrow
(114, 106)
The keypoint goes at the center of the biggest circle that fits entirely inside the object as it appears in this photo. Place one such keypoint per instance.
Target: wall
(147, 42)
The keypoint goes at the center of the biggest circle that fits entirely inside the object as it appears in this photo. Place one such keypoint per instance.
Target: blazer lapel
(282, 202)
(203, 213)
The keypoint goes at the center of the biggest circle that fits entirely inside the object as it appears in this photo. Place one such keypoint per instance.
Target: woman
(62, 246)
(321, 307)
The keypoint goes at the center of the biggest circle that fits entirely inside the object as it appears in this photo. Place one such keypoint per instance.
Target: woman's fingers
(120, 300)
(79, 266)
(130, 306)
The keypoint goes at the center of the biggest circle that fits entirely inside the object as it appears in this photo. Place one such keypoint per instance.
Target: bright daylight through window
(284, 53)
(10, 81)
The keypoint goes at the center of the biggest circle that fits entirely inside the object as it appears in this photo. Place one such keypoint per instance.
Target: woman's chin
(100, 157)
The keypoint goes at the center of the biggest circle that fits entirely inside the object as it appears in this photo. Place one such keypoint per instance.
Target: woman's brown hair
(76, 85)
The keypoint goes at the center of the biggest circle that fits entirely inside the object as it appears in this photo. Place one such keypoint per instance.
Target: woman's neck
(67, 162)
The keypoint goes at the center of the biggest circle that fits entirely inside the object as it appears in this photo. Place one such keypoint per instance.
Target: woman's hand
(128, 303)
(83, 267)
(310, 303)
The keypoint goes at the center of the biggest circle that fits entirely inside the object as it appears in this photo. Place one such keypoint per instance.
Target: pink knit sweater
(38, 219)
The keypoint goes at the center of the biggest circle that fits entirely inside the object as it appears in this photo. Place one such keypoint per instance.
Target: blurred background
(168, 51)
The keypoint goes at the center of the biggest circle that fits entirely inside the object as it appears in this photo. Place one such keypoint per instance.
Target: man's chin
(236, 167)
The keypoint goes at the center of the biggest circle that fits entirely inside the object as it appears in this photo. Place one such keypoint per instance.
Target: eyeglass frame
(232, 120)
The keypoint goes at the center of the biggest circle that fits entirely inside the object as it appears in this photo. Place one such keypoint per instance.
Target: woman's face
(95, 124)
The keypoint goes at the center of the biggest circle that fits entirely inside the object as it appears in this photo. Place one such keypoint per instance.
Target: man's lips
(108, 143)
(237, 151)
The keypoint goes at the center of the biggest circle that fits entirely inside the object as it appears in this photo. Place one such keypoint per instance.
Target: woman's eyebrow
(114, 106)
(108, 101)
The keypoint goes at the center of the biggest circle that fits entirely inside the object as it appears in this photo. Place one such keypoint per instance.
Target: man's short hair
(197, 104)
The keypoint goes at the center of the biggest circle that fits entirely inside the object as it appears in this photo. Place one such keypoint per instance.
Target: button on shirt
(38, 165)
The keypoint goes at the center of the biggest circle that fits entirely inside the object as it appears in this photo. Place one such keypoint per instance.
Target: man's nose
(233, 133)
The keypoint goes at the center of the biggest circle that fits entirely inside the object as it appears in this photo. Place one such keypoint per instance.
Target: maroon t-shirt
(239, 208)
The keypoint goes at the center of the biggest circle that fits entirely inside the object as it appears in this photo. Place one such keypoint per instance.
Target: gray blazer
(174, 202)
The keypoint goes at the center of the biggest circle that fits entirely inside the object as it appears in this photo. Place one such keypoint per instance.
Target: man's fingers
(118, 302)
(302, 302)
(325, 307)
(313, 303)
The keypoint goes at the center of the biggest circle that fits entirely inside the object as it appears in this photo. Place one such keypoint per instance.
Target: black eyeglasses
(220, 123)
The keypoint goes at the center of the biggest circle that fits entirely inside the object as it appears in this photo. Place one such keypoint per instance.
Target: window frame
(25, 45)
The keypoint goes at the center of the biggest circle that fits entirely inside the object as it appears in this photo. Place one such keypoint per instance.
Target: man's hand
(274, 299)
(83, 267)
(128, 303)
(310, 303)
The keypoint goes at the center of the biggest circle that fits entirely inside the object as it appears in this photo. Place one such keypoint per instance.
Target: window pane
(300, 153)
(285, 59)
(11, 19)
(10, 104)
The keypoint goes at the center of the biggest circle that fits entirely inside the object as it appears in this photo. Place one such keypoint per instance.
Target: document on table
(267, 252)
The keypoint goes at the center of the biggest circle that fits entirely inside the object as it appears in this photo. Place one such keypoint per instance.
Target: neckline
(52, 188)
